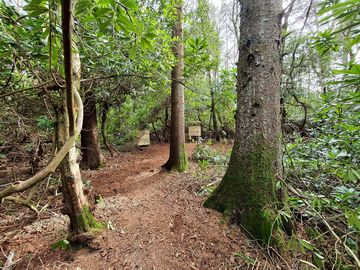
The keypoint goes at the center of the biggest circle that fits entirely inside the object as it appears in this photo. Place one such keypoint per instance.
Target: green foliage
(45, 123)
(62, 244)
(345, 13)
(318, 257)
(324, 165)
(326, 41)
(344, 33)
(327, 163)
(206, 155)
(249, 260)
(203, 164)
(335, 139)
(351, 76)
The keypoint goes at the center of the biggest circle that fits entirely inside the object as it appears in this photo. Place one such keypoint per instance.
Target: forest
(180, 134)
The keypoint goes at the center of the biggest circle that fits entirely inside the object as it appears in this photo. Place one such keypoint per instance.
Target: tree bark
(76, 204)
(177, 159)
(247, 194)
(105, 109)
(91, 157)
(213, 112)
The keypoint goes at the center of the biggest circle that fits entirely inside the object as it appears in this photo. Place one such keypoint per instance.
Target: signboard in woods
(144, 139)
(194, 131)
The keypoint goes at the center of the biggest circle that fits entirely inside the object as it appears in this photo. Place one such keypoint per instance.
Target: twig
(26, 89)
(9, 260)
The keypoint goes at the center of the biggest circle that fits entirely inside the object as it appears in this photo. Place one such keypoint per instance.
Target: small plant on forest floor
(206, 190)
(99, 199)
(203, 164)
(62, 244)
(212, 164)
(212, 156)
(247, 258)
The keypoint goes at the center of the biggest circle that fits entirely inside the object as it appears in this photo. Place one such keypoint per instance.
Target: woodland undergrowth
(322, 181)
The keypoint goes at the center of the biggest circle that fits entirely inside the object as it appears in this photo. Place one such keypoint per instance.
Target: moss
(87, 222)
(247, 193)
(182, 162)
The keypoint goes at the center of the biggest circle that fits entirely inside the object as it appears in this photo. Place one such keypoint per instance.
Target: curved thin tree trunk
(247, 194)
(177, 159)
(91, 157)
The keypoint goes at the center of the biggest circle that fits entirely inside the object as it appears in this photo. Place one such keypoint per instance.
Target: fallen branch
(54, 163)
(9, 261)
(23, 202)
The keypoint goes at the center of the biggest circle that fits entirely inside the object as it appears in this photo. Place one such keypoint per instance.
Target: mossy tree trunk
(91, 157)
(177, 159)
(247, 194)
(76, 204)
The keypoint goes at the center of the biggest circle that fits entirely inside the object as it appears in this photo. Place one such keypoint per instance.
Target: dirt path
(155, 221)
(159, 223)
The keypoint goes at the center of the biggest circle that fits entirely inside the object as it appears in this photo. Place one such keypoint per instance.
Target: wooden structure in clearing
(194, 131)
(144, 138)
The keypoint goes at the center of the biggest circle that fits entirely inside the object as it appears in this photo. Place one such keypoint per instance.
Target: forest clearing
(180, 134)
(157, 220)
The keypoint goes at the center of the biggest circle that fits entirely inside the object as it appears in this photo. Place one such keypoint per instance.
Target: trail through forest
(155, 220)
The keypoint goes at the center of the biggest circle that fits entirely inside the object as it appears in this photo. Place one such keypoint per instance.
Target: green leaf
(100, 12)
(355, 70)
(150, 35)
(145, 44)
(318, 259)
(125, 22)
(82, 6)
(62, 244)
(353, 219)
(306, 244)
(35, 10)
(132, 51)
(129, 4)
(245, 257)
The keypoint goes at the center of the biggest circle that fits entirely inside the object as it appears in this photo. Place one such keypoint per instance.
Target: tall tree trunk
(213, 112)
(76, 204)
(177, 159)
(105, 109)
(247, 194)
(90, 147)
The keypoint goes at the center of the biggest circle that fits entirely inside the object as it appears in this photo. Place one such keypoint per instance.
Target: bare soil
(154, 219)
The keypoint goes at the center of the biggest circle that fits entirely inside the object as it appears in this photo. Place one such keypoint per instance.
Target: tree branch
(26, 89)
